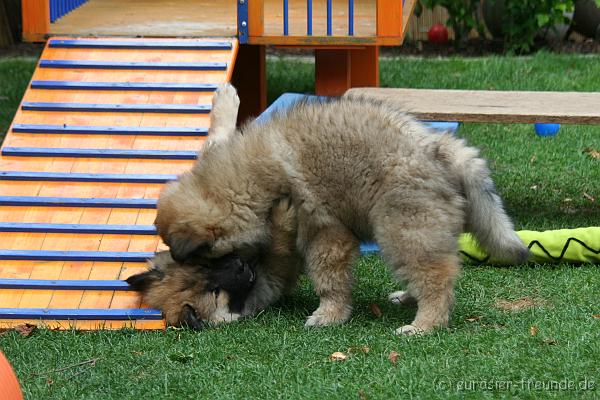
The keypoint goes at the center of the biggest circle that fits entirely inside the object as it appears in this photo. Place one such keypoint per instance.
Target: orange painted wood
(336, 71)
(364, 67)
(256, 17)
(36, 19)
(325, 41)
(250, 79)
(389, 18)
(97, 242)
(332, 72)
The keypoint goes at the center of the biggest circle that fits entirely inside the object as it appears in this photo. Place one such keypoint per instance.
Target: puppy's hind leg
(427, 260)
(223, 115)
(329, 255)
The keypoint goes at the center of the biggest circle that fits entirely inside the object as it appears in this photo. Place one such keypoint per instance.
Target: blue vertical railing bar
(329, 17)
(308, 17)
(286, 22)
(243, 21)
(60, 8)
(350, 17)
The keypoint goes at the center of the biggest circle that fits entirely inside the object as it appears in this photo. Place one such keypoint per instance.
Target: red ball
(9, 385)
(438, 33)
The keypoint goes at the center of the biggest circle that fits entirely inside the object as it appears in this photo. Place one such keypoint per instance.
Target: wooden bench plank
(491, 106)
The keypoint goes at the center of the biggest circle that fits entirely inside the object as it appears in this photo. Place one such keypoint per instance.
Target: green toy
(581, 245)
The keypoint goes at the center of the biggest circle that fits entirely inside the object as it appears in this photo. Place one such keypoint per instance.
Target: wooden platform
(205, 18)
(491, 106)
(104, 125)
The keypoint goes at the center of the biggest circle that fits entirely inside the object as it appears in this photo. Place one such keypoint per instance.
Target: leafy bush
(523, 20)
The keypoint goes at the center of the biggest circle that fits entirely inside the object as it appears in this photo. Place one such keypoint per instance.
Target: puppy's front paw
(401, 297)
(408, 330)
(225, 99)
(328, 316)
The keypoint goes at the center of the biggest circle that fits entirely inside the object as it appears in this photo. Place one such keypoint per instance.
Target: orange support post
(337, 70)
(250, 79)
(36, 20)
(389, 18)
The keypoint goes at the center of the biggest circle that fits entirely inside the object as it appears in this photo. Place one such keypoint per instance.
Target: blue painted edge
(131, 44)
(103, 256)
(439, 126)
(77, 228)
(55, 255)
(284, 102)
(80, 177)
(350, 17)
(287, 100)
(141, 86)
(99, 153)
(242, 21)
(134, 65)
(92, 107)
(109, 130)
(329, 18)
(43, 284)
(286, 22)
(308, 17)
(90, 314)
(31, 201)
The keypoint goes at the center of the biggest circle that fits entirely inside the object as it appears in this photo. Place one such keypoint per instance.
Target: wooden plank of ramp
(104, 124)
(491, 106)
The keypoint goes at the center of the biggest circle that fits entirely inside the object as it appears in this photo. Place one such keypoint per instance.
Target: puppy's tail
(486, 217)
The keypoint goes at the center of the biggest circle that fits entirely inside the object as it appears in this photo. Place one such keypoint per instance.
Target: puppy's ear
(186, 250)
(142, 282)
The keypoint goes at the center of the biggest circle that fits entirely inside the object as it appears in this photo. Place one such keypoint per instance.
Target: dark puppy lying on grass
(225, 288)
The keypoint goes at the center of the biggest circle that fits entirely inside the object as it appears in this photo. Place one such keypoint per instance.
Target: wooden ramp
(104, 124)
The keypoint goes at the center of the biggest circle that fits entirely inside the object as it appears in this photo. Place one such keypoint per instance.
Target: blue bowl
(546, 129)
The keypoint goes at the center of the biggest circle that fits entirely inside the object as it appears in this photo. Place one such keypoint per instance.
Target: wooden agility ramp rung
(104, 124)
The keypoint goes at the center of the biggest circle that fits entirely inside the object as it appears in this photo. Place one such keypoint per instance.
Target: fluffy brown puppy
(355, 169)
(227, 288)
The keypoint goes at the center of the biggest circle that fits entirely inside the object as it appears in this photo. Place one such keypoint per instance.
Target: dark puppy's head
(199, 221)
(195, 294)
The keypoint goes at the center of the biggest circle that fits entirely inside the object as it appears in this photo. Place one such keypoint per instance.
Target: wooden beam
(36, 20)
(492, 106)
(250, 79)
(337, 70)
(256, 17)
(389, 18)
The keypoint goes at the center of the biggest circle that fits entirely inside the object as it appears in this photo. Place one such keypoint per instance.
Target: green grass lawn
(549, 348)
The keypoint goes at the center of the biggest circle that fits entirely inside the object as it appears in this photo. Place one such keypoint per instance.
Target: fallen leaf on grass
(588, 197)
(362, 395)
(549, 341)
(393, 357)
(474, 319)
(523, 303)
(533, 159)
(25, 330)
(533, 330)
(375, 310)
(338, 356)
(592, 153)
(597, 316)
